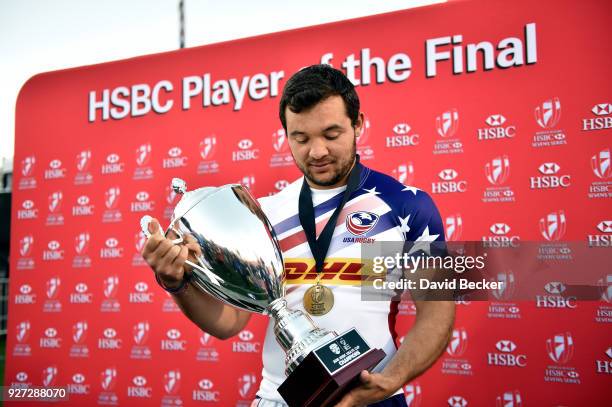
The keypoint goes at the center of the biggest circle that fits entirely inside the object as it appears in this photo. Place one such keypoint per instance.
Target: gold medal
(318, 299)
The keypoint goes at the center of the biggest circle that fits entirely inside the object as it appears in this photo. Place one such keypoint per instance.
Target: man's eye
(301, 140)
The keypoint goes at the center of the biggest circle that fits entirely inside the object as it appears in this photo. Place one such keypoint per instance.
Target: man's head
(319, 111)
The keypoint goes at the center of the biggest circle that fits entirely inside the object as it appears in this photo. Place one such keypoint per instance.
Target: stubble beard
(340, 173)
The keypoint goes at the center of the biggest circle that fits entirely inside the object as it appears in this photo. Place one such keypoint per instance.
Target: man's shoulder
(397, 195)
(289, 195)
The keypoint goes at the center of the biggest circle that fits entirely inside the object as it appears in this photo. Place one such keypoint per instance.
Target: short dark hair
(315, 83)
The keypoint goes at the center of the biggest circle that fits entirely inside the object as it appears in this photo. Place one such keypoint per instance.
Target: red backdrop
(500, 111)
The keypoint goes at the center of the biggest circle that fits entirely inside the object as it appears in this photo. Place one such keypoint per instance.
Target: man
(319, 110)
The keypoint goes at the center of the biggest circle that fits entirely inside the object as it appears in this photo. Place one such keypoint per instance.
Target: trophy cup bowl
(239, 262)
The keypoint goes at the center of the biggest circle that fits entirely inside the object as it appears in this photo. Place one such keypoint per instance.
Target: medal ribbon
(320, 246)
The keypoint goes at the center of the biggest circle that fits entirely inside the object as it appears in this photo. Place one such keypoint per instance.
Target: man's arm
(420, 349)
(208, 313)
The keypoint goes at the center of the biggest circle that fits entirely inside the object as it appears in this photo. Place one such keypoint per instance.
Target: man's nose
(318, 149)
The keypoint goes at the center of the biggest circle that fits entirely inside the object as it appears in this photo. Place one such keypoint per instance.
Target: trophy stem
(296, 333)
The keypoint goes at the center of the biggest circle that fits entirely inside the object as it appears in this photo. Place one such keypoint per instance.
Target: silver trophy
(239, 261)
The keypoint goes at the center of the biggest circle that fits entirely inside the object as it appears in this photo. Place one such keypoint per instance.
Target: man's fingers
(151, 244)
(182, 256)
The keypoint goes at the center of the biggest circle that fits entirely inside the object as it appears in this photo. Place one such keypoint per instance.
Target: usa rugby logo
(361, 222)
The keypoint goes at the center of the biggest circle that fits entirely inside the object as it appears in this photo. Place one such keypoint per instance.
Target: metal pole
(181, 24)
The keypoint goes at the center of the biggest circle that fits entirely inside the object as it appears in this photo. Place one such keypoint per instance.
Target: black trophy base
(329, 372)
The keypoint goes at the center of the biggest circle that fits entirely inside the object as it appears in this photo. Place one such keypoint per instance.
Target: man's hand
(165, 258)
(374, 387)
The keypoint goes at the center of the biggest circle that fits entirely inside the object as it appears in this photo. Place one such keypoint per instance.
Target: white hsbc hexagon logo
(25, 289)
(139, 381)
(554, 287)
(602, 109)
(245, 144)
(505, 345)
(605, 226)
(111, 242)
(83, 200)
(110, 333)
(142, 196)
(53, 245)
(205, 384)
(55, 164)
(112, 158)
(175, 152)
(141, 287)
(495, 120)
(245, 335)
(173, 333)
(401, 128)
(21, 376)
(50, 332)
(448, 174)
(457, 401)
(78, 378)
(280, 184)
(81, 288)
(27, 204)
(499, 228)
(549, 168)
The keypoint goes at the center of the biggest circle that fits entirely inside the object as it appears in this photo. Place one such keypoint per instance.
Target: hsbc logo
(497, 170)
(548, 113)
(560, 348)
(404, 173)
(457, 401)
(50, 339)
(600, 164)
(113, 165)
(80, 296)
(83, 206)
(28, 210)
(55, 170)
(172, 382)
(139, 388)
(141, 287)
(112, 249)
(78, 378)
(499, 228)
(246, 343)
(496, 129)
(402, 136)
(78, 385)
(245, 151)
(605, 365)
(449, 183)
(458, 343)
(602, 121)
(603, 239)
(550, 178)
(142, 203)
(173, 343)
(109, 340)
(54, 252)
(553, 225)
(555, 296)
(207, 147)
(25, 295)
(205, 392)
(175, 158)
(448, 175)
(447, 123)
(506, 356)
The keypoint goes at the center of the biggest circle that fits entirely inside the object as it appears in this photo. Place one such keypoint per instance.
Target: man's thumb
(153, 226)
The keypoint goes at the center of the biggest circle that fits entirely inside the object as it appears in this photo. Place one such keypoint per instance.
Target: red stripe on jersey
(393, 309)
(299, 237)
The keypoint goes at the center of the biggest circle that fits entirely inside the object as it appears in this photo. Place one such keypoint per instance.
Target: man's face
(322, 142)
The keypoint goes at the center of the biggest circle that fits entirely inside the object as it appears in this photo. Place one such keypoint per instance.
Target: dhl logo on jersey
(336, 271)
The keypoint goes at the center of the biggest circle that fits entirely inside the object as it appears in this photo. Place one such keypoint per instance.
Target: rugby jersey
(380, 209)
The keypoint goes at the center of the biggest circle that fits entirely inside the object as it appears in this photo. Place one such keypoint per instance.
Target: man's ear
(359, 124)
